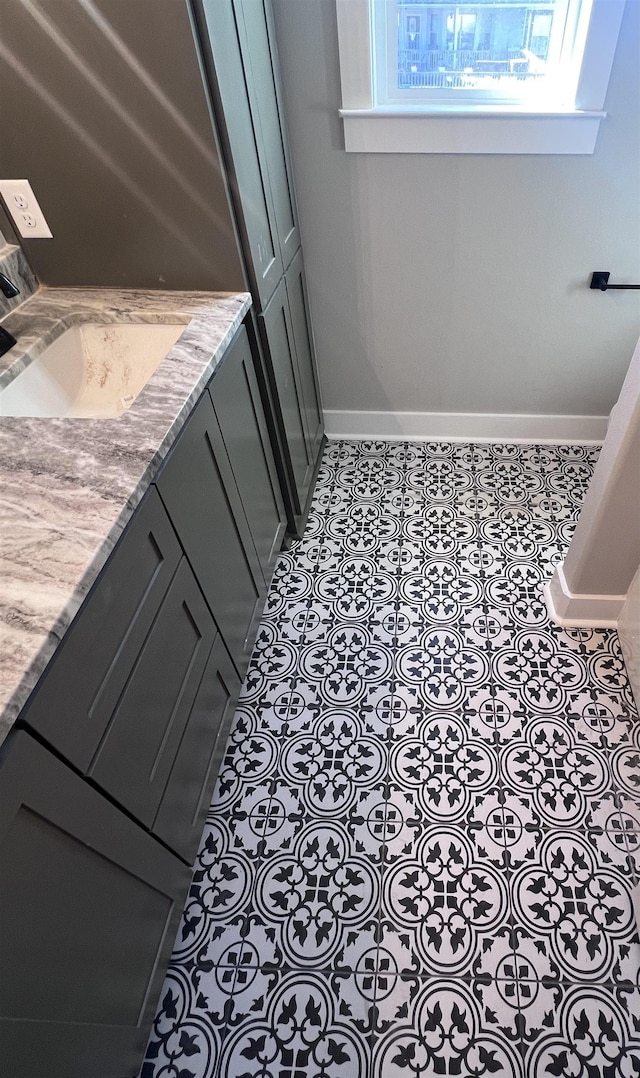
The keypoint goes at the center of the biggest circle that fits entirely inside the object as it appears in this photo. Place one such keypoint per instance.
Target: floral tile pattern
(423, 846)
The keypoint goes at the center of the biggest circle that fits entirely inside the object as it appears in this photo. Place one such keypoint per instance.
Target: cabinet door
(279, 342)
(89, 907)
(75, 698)
(303, 339)
(154, 703)
(239, 132)
(238, 407)
(261, 74)
(201, 497)
(186, 800)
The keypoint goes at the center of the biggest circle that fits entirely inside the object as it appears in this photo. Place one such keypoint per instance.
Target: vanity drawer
(73, 701)
(185, 802)
(152, 699)
(164, 736)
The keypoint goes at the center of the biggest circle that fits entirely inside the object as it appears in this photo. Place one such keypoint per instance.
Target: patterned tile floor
(421, 849)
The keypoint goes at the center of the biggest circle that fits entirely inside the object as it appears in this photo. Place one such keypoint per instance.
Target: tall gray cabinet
(237, 45)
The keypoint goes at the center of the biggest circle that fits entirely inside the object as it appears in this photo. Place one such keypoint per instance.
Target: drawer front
(75, 699)
(155, 704)
(181, 815)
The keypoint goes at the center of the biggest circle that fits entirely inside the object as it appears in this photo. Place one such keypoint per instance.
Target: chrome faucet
(7, 287)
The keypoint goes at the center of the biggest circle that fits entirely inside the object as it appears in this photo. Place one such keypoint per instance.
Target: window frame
(481, 127)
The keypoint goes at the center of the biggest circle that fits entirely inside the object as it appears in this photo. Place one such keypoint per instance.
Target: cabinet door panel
(79, 690)
(280, 349)
(184, 806)
(260, 64)
(236, 400)
(296, 292)
(250, 186)
(201, 497)
(146, 728)
(89, 906)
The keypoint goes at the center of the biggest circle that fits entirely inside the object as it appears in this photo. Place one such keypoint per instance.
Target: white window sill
(490, 129)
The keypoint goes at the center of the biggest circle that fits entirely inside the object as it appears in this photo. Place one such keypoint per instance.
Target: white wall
(459, 283)
(589, 586)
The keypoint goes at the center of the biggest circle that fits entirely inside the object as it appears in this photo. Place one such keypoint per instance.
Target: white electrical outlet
(24, 210)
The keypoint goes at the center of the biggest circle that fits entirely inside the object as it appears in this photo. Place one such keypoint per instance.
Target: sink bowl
(90, 371)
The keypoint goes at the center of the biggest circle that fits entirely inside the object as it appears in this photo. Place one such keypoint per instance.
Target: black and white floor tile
(422, 847)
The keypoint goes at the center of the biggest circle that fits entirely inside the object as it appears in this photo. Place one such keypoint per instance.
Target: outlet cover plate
(22, 206)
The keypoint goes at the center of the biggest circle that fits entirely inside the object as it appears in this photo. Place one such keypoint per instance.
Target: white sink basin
(90, 371)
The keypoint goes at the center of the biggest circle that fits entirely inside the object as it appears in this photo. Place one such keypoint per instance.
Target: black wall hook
(600, 279)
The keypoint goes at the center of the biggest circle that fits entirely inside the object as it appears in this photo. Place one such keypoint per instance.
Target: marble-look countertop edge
(111, 305)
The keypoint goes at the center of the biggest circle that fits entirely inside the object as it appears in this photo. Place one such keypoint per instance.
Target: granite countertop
(69, 486)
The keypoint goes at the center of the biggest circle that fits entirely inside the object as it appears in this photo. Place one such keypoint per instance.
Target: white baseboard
(629, 633)
(580, 611)
(466, 427)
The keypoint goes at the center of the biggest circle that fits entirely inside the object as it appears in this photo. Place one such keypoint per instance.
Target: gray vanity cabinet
(139, 696)
(89, 908)
(100, 825)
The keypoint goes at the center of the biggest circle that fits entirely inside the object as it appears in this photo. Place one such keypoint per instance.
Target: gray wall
(457, 283)
(104, 112)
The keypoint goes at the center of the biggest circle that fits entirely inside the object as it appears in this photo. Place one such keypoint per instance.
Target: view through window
(503, 49)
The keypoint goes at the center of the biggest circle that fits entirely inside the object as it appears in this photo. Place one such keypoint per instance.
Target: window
(486, 76)
(506, 51)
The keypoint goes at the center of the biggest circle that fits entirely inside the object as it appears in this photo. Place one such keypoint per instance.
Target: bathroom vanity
(152, 538)
(137, 543)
